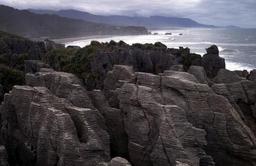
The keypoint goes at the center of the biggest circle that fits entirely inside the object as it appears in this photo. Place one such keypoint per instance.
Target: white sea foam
(238, 66)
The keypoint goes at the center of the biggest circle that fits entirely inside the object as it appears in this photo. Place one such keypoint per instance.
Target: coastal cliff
(113, 104)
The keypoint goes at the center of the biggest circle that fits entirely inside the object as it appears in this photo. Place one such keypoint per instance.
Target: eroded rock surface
(226, 76)
(212, 62)
(199, 73)
(172, 119)
(52, 122)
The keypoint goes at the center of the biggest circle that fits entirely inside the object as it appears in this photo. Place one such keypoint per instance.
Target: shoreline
(72, 39)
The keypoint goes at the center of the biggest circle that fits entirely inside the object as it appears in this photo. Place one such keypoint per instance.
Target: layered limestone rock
(199, 73)
(172, 119)
(114, 122)
(53, 122)
(226, 76)
(63, 85)
(242, 95)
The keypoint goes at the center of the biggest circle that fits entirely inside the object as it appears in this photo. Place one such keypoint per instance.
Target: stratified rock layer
(54, 124)
(172, 119)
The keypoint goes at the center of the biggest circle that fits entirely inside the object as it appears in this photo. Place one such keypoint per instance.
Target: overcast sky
(216, 12)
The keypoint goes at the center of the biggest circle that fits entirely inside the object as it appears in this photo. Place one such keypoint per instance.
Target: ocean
(237, 46)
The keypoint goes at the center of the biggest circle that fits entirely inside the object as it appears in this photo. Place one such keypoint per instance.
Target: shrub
(10, 77)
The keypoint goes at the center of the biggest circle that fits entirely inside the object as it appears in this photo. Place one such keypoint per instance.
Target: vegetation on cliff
(14, 50)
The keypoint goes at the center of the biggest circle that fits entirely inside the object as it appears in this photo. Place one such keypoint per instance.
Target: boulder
(199, 73)
(252, 75)
(212, 62)
(118, 161)
(226, 76)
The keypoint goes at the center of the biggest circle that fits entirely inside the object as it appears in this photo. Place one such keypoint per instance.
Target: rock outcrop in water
(175, 116)
(212, 62)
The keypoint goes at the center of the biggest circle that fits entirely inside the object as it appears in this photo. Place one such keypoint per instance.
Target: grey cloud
(217, 12)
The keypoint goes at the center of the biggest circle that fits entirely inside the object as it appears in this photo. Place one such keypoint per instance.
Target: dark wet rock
(199, 73)
(213, 50)
(212, 62)
(168, 33)
(184, 57)
(226, 76)
(252, 75)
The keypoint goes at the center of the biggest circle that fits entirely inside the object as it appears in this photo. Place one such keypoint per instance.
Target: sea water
(237, 46)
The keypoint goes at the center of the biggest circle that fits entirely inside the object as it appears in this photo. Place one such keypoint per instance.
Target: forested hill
(28, 24)
(158, 22)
